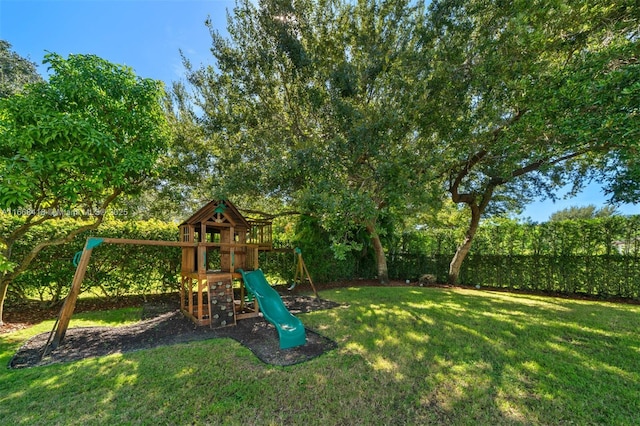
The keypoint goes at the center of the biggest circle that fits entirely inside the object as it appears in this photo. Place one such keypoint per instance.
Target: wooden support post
(201, 285)
(190, 296)
(70, 302)
(183, 289)
(254, 261)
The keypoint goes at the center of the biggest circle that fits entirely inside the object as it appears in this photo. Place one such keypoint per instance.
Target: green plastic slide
(290, 328)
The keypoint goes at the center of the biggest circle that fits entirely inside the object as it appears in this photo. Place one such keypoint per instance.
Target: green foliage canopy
(585, 212)
(73, 145)
(94, 130)
(529, 97)
(15, 71)
(310, 103)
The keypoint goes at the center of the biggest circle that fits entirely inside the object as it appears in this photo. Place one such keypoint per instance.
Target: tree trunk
(463, 249)
(4, 286)
(381, 258)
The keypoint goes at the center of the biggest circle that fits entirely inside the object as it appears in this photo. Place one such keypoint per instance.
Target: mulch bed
(163, 324)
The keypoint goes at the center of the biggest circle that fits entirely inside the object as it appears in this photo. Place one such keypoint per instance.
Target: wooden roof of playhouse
(222, 214)
(218, 211)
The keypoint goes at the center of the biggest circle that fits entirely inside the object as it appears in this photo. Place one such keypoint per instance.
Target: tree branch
(456, 197)
(26, 261)
(270, 216)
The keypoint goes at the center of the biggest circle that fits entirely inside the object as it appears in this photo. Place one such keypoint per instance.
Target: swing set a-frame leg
(62, 323)
(301, 272)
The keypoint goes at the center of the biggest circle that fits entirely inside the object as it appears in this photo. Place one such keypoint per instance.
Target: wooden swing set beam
(62, 324)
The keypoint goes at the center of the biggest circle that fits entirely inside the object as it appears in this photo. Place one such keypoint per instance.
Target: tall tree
(178, 190)
(310, 103)
(71, 147)
(584, 212)
(531, 96)
(15, 71)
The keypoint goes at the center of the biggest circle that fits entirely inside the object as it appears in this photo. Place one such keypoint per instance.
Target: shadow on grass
(496, 358)
(215, 381)
(405, 356)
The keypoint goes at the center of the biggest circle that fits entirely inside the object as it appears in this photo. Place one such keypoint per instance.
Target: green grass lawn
(406, 356)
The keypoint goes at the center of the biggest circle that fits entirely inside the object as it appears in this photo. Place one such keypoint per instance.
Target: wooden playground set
(220, 279)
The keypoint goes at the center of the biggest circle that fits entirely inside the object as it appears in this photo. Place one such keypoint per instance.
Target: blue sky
(143, 34)
(147, 36)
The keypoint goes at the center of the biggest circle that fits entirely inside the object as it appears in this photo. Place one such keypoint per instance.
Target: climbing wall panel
(221, 305)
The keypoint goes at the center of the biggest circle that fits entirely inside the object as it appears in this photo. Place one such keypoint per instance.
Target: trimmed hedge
(591, 237)
(602, 275)
(280, 266)
(114, 269)
(598, 257)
